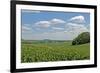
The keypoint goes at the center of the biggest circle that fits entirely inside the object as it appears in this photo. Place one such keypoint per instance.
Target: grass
(53, 51)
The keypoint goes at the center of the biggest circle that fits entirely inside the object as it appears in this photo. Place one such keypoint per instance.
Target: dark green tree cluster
(82, 38)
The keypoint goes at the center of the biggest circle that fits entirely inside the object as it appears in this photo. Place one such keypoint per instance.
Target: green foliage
(82, 38)
(51, 51)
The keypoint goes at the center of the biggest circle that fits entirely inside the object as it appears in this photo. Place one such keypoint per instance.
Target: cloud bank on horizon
(39, 25)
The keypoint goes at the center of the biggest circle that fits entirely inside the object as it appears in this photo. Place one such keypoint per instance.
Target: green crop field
(44, 51)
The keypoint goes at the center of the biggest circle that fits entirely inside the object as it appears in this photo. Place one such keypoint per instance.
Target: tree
(81, 38)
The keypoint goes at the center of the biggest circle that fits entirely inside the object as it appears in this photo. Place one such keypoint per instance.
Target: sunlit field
(45, 51)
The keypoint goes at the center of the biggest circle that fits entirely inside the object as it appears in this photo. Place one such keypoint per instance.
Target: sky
(40, 25)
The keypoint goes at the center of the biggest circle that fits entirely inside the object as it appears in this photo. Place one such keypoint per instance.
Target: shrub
(81, 38)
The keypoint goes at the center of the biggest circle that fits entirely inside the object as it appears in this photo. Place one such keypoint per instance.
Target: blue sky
(39, 25)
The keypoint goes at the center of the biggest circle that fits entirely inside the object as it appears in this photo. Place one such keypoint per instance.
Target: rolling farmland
(44, 51)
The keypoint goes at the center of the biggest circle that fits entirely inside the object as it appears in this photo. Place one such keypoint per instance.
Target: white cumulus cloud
(77, 28)
(77, 19)
(43, 24)
(25, 28)
(57, 21)
(46, 24)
